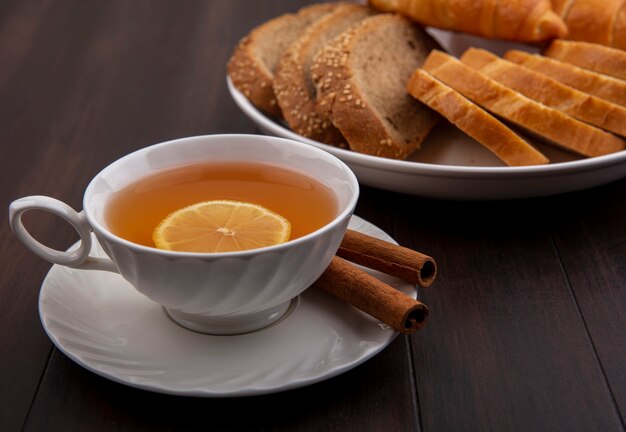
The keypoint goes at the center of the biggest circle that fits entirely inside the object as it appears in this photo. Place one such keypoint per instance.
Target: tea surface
(133, 212)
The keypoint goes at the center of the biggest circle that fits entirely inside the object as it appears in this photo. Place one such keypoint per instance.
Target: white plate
(99, 321)
(451, 165)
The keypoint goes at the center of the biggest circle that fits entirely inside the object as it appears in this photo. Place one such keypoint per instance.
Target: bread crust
(585, 107)
(587, 55)
(248, 72)
(251, 78)
(548, 123)
(474, 121)
(561, 7)
(592, 20)
(519, 20)
(602, 86)
(340, 96)
(619, 28)
(293, 85)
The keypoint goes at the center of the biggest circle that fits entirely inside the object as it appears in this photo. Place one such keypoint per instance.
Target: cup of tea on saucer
(223, 231)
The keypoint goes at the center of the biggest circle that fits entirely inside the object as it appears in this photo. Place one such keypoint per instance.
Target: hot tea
(133, 212)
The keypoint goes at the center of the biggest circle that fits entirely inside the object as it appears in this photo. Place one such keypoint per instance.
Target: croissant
(518, 20)
(598, 21)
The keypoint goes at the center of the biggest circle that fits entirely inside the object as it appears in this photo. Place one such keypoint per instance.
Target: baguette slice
(585, 107)
(474, 121)
(593, 83)
(293, 85)
(598, 58)
(251, 66)
(550, 124)
(361, 81)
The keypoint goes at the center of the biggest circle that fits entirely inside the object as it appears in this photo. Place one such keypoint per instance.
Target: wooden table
(528, 328)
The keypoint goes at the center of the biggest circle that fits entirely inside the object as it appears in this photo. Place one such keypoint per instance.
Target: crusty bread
(592, 20)
(474, 121)
(599, 21)
(361, 81)
(595, 57)
(293, 85)
(602, 86)
(548, 123)
(520, 20)
(619, 28)
(544, 89)
(561, 7)
(251, 66)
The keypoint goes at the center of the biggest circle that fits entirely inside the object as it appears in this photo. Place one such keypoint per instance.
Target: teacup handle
(77, 258)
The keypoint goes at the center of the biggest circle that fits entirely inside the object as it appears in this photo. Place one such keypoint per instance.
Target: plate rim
(427, 169)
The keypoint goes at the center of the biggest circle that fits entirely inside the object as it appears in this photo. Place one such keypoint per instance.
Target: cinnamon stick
(389, 258)
(365, 292)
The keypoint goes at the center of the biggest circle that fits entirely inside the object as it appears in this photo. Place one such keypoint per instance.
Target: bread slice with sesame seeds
(361, 79)
(251, 66)
(293, 86)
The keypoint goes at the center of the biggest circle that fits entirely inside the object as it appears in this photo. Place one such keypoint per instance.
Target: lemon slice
(221, 226)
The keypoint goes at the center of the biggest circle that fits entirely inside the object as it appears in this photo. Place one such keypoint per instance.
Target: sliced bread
(545, 122)
(602, 86)
(251, 66)
(473, 120)
(598, 58)
(361, 81)
(542, 88)
(293, 85)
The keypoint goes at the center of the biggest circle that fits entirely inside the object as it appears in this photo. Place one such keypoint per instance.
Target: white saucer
(99, 321)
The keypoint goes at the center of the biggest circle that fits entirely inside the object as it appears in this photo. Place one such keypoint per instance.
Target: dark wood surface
(528, 328)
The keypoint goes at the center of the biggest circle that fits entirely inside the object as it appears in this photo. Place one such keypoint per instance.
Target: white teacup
(217, 293)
